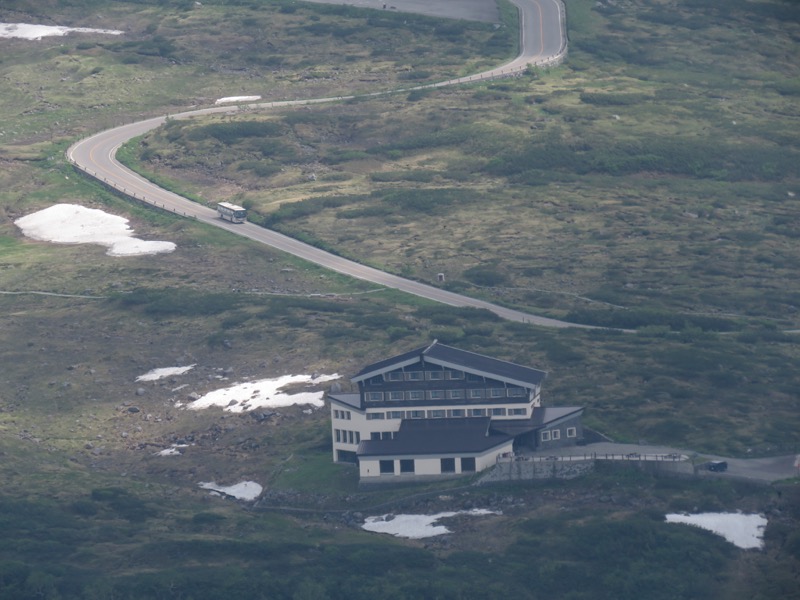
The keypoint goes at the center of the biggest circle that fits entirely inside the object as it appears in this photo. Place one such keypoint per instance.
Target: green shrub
(486, 276)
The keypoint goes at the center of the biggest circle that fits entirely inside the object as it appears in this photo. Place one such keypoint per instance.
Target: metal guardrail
(631, 456)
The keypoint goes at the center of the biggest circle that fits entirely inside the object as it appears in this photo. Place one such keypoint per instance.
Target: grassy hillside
(659, 179)
(659, 212)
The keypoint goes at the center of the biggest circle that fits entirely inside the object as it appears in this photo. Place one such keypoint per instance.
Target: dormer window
(435, 375)
(394, 376)
(415, 375)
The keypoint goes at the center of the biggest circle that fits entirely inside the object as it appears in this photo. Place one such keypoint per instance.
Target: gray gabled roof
(438, 437)
(353, 400)
(447, 356)
(543, 417)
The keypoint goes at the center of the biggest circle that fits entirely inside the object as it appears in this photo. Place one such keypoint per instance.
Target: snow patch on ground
(156, 374)
(417, 526)
(75, 224)
(228, 99)
(744, 531)
(173, 451)
(246, 490)
(264, 393)
(37, 32)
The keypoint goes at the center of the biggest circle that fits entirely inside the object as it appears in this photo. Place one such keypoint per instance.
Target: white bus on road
(231, 212)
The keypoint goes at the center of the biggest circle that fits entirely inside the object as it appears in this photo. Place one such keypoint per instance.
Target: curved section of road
(542, 42)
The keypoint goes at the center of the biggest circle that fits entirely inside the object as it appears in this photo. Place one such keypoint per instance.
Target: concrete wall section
(530, 470)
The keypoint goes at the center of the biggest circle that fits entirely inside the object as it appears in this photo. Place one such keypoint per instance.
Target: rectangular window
(497, 393)
(335, 414)
(448, 465)
(416, 395)
(338, 434)
(375, 416)
(572, 432)
(377, 380)
(394, 376)
(396, 414)
(435, 375)
(436, 414)
(455, 394)
(555, 434)
(416, 414)
(545, 436)
(468, 464)
(516, 392)
(375, 396)
(406, 465)
(457, 412)
(375, 436)
(358, 437)
(396, 395)
(387, 467)
(476, 393)
(350, 437)
(436, 394)
(347, 415)
(387, 435)
(517, 411)
(414, 375)
(346, 456)
(474, 377)
(455, 374)
(498, 412)
(476, 412)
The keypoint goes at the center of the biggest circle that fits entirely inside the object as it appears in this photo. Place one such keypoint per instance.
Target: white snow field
(416, 526)
(27, 31)
(744, 531)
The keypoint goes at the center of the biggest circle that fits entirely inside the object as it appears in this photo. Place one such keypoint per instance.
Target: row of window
(447, 465)
(417, 375)
(514, 392)
(450, 413)
(345, 436)
(342, 414)
(555, 434)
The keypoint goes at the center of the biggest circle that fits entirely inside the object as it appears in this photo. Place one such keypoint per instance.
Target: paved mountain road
(542, 41)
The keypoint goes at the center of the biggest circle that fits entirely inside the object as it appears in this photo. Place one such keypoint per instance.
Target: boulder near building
(439, 411)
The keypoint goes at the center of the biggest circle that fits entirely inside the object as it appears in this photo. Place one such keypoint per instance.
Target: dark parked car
(719, 466)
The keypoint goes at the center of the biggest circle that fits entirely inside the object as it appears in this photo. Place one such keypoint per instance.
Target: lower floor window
(407, 465)
(387, 467)
(346, 456)
(545, 436)
(572, 432)
(468, 464)
(448, 465)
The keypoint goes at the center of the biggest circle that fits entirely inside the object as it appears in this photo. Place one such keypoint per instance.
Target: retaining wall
(530, 470)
